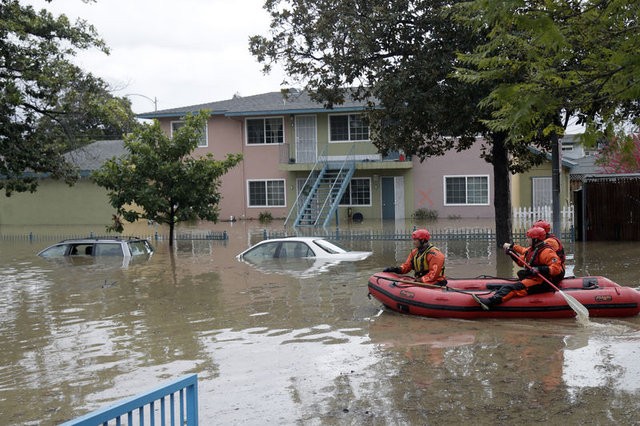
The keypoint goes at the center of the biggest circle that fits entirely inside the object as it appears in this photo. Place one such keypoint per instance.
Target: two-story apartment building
(286, 143)
(299, 153)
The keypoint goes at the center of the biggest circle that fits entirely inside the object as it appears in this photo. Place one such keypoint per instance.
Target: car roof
(305, 239)
(100, 239)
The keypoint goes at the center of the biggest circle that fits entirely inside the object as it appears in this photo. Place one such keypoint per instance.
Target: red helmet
(421, 234)
(537, 233)
(544, 225)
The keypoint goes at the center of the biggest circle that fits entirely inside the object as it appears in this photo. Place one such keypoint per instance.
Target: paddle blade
(581, 311)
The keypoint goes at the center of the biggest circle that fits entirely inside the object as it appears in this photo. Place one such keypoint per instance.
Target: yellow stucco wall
(521, 185)
(55, 203)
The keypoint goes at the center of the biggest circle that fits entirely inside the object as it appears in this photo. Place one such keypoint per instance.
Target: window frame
(266, 189)
(350, 139)
(540, 184)
(466, 177)
(264, 124)
(349, 189)
(206, 132)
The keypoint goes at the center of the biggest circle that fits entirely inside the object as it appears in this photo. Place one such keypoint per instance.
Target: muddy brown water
(300, 343)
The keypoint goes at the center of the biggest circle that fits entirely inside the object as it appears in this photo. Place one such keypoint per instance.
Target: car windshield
(329, 247)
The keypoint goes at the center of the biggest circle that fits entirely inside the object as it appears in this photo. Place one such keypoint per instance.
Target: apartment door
(392, 197)
(306, 139)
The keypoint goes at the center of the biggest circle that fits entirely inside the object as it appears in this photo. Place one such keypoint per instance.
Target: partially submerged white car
(300, 248)
(302, 257)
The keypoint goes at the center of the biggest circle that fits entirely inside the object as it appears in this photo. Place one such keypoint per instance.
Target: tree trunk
(502, 203)
(502, 195)
(172, 225)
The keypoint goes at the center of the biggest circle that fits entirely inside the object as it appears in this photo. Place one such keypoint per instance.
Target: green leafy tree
(159, 179)
(400, 56)
(47, 104)
(549, 61)
(579, 58)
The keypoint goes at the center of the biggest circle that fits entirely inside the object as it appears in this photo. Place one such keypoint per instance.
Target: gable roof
(266, 103)
(90, 157)
(584, 166)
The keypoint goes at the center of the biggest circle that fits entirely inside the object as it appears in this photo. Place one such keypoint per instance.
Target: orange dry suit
(542, 257)
(554, 242)
(428, 264)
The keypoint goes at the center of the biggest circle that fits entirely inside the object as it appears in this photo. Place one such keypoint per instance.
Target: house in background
(315, 166)
(56, 203)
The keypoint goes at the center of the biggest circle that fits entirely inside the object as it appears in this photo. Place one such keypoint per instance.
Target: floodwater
(301, 343)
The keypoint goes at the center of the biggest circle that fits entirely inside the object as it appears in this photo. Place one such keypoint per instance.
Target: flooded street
(301, 343)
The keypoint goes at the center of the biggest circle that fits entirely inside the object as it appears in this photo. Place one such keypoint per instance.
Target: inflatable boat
(601, 296)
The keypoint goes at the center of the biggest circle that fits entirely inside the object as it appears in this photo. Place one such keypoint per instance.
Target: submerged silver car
(99, 247)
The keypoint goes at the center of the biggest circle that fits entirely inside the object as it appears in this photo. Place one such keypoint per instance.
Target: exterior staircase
(321, 193)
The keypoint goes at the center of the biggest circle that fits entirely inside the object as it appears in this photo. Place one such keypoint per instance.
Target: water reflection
(284, 348)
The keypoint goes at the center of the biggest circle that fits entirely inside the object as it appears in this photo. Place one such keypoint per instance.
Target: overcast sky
(179, 52)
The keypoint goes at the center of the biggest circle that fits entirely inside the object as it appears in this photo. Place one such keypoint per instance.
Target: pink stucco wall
(226, 136)
(429, 182)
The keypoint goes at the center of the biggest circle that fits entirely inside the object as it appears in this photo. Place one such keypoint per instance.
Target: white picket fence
(523, 217)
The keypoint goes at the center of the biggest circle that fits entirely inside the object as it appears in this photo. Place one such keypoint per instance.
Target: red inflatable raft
(601, 296)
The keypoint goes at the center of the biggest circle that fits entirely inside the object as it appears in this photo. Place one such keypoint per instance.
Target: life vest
(560, 251)
(420, 263)
(532, 255)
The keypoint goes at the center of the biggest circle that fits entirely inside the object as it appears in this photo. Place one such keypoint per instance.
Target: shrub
(265, 217)
(425, 214)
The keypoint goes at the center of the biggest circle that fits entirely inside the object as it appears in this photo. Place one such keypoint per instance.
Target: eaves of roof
(566, 163)
(271, 103)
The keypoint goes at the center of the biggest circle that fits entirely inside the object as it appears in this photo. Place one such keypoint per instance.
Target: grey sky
(178, 52)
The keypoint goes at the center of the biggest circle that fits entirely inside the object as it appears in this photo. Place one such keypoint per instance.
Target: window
(466, 190)
(542, 192)
(266, 193)
(348, 127)
(358, 193)
(262, 131)
(203, 142)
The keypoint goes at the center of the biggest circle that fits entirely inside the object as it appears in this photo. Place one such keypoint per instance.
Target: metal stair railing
(309, 209)
(321, 160)
(338, 187)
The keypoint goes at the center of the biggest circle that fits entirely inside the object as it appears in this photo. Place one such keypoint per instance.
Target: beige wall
(55, 203)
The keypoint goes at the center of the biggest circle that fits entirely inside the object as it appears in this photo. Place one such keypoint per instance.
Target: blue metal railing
(299, 204)
(177, 405)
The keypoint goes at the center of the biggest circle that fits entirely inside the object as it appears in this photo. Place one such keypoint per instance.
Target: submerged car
(99, 247)
(300, 248)
(301, 257)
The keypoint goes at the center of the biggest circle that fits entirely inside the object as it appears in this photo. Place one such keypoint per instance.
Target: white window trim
(370, 194)
(266, 180)
(206, 132)
(350, 140)
(444, 190)
(246, 133)
(537, 181)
